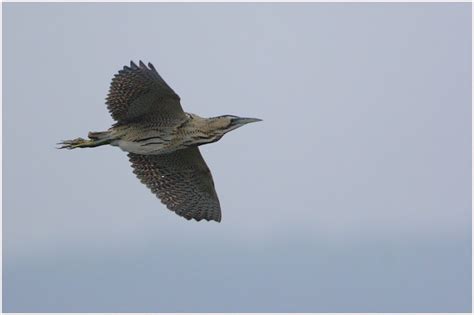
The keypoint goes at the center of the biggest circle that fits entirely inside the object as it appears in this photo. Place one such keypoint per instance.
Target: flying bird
(162, 141)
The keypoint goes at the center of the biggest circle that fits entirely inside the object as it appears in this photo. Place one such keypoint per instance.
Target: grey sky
(353, 194)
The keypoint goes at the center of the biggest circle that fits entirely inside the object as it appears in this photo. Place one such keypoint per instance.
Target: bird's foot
(75, 143)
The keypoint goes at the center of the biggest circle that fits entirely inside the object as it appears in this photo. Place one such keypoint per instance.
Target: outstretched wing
(182, 181)
(139, 92)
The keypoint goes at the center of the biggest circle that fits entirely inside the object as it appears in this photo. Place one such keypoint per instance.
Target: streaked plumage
(162, 141)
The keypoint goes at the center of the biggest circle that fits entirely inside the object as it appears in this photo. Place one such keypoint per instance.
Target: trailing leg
(83, 143)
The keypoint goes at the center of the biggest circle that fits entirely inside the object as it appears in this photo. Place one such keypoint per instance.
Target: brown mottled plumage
(162, 141)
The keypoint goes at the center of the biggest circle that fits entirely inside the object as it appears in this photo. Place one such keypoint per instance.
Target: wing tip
(133, 65)
(217, 220)
(142, 65)
(214, 217)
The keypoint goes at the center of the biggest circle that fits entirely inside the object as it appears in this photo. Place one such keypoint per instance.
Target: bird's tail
(96, 139)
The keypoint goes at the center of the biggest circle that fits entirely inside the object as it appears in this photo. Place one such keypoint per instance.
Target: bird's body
(162, 141)
(156, 138)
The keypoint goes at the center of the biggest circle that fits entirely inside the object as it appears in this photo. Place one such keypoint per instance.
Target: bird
(162, 140)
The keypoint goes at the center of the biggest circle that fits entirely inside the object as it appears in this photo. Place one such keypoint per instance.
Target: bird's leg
(79, 143)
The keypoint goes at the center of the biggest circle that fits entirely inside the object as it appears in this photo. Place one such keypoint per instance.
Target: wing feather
(139, 92)
(182, 181)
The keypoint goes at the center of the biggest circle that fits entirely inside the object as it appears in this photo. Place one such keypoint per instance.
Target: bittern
(162, 141)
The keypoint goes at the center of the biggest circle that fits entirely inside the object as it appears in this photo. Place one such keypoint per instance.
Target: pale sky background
(353, 194)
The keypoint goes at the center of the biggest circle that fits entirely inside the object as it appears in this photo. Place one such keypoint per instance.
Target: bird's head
(221, 125)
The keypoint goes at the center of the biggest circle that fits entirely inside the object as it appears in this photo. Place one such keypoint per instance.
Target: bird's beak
(240, 121)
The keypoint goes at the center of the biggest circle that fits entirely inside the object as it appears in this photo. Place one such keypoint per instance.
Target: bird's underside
(162, 141)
